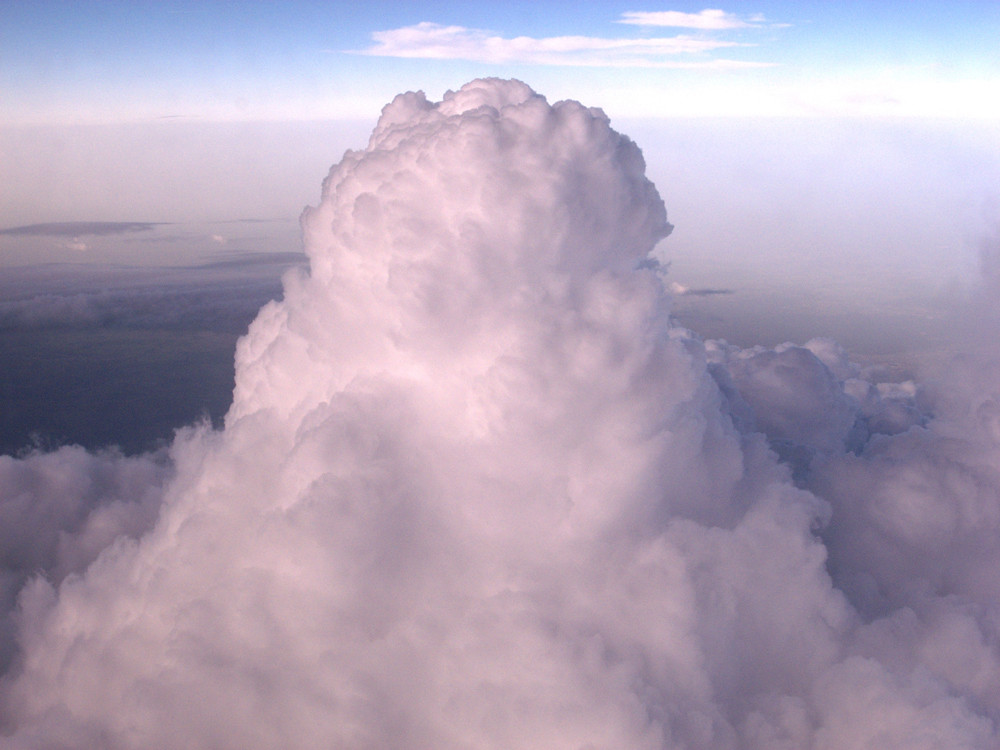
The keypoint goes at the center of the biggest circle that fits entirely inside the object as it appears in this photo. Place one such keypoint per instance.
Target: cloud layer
(219, 296)
(78, 228)
(477, 490)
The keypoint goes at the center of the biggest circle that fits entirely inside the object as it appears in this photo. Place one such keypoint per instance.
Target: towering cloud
(476, 490)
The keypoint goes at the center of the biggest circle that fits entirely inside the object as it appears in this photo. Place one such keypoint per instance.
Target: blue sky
(126, 61)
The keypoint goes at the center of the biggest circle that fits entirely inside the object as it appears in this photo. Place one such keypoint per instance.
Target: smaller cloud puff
(76, 244)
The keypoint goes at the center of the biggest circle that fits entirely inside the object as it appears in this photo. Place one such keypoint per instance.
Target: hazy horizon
(814, 226)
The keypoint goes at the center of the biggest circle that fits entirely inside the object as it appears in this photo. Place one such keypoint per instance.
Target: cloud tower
(476, 490)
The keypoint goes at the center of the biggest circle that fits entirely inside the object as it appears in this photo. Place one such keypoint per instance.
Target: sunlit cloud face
(439, 42)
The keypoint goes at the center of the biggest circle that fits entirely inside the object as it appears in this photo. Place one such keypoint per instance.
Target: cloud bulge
(478, 489)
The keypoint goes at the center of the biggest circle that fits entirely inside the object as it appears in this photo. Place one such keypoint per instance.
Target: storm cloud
(478, 489)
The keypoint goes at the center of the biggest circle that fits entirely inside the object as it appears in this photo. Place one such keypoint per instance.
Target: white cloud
(477, 489)
(59, 510)
(76, 244)
(707, 20)
(434, 41)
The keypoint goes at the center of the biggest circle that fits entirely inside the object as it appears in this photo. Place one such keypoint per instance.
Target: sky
(853, 141)
(134, 61)
(513, 375)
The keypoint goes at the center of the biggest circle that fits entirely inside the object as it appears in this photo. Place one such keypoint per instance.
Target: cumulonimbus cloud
(477, 489)
(439, 42)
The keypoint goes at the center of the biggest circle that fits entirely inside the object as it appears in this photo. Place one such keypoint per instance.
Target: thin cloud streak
(79, 228)
(438, 42)
(708, 19)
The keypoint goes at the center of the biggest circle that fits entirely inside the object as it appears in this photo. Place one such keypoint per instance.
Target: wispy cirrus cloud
(439, 42)
(706, 20)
